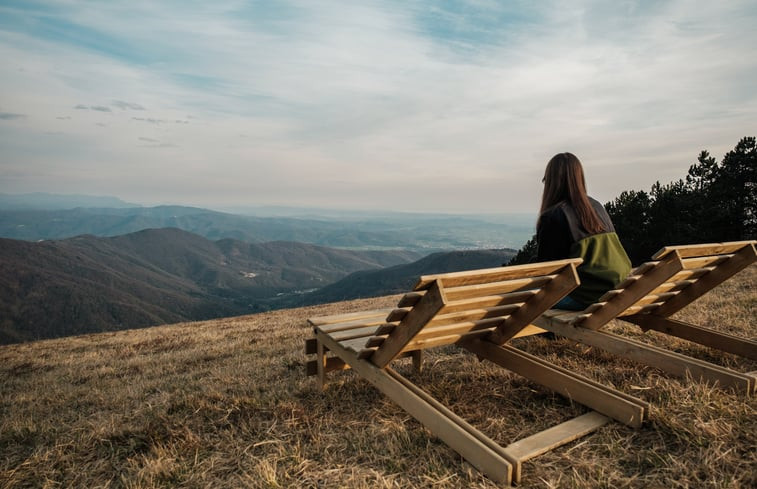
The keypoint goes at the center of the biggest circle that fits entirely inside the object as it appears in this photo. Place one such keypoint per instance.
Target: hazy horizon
(440, 107)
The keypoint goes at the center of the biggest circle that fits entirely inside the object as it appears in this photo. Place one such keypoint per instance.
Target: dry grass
(226, 404)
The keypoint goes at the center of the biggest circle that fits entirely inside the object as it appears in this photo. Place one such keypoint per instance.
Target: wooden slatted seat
(655, 291)
(479, 310)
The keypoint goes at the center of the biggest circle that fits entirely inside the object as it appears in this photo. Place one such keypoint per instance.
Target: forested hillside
(89, 284)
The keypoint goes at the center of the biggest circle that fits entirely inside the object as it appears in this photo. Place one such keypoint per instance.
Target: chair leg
(321, 363)
(417, 360)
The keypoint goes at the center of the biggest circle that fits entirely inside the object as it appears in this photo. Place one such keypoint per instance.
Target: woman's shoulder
(602, 214)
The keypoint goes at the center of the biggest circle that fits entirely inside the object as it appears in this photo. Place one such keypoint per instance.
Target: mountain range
(91, 284)
(155, 276)
(425, 233)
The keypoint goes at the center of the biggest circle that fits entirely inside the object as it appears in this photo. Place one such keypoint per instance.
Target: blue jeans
(569, 304)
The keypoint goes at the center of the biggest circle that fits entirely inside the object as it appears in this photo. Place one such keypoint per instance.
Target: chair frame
(650, 295)
(480, 311)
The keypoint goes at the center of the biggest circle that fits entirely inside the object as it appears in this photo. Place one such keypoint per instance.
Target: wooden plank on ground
(548, 296)
(704, 336)
(499, 274)
(725, 270)
(610, 402)
(559, 435)
(472, 445)
(413, 322)
(671, 362)
(639, 288)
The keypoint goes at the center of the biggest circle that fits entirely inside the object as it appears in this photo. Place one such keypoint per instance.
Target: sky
(422, 106)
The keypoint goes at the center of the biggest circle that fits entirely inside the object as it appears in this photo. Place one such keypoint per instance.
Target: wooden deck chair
(650, 295)
(470, 309)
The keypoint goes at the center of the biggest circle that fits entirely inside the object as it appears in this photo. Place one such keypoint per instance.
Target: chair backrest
(680, 275)
(495, 302)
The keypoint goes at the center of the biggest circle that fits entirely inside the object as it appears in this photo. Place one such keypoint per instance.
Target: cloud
(64, 118)
(97, 108)
(126, 105)
(159, 121)
(154, 143)
(10, 116)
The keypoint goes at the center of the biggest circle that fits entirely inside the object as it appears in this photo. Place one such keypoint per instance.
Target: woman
(573, 225)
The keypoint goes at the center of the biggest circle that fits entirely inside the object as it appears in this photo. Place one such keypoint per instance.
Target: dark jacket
(559, 235)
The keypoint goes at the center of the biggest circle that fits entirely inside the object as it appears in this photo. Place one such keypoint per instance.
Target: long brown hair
(564, 181)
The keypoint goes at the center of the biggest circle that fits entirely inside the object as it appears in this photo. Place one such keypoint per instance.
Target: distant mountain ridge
(156, 276)
(418, 232)
(45, 201)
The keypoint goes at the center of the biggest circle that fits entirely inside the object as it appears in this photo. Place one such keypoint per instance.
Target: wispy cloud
(10, 116)
(127, 105)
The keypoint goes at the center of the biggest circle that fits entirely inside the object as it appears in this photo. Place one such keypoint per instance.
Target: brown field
(225, 403)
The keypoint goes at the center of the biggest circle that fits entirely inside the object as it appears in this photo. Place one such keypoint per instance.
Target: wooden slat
(459, 327)
(451, 339)
(547, 297)
(608, 401)
(647, 308)
(638, 289)
(397, 315)
(496, 288)
(471, 315)
(704, 336)
(474, 446)
(641, 269)
(357, 323)
(740, 260)
(686, 251)
(487, 301)
(673, 363)
(689, 275)
(705, 261)
(499, 274)
(358, 346)
(559, 435)
(413, 322)
(366, 332)
(350, 316)
(474, 331)
(655, 298)
(411, 298)
(672, 286)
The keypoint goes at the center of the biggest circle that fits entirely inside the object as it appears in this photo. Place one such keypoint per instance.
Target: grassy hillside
(225, 403)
